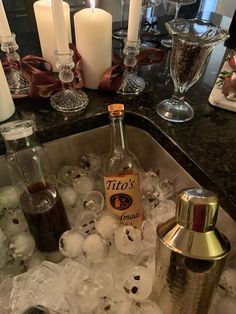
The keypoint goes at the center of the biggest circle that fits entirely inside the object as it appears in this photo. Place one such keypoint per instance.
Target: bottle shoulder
(120, 161)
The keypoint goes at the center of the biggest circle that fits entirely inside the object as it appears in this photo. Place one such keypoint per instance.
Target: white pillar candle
(44, 20)
(93, 31)
(4, 26)
(7, 107)
(135, 8)
(60, 27)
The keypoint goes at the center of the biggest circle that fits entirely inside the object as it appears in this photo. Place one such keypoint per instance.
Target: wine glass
(152, 4)
(178, 4)
(192, 42)
(121, 33)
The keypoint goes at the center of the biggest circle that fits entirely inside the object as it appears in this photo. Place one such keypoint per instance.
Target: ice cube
(114, 302)
(74, 272)
(85, 222)
(228, 281)
(87, 296)
(95, 248)
(34, 260)
(226, 305)
(69, 196)
(84, 182)
(145, 307)
(22, 245)
(71, 243)
(94, 201)
(8, 197)
(128, 240)
(149, 181)
(2, 238)
(163, 211)
(138, 283)
(90, 162)
(6, 286)
(106, 224)
(44, 285)
(13, 222)
(165, 189)
(67, 174)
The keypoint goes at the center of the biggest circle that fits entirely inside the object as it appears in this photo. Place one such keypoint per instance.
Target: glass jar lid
(17, 129)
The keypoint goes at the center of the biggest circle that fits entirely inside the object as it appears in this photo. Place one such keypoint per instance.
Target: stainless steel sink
(67, 151)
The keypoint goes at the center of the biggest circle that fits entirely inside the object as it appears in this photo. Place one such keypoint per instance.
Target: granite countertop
(204, 146)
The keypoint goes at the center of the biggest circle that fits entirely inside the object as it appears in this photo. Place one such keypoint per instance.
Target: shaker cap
(197, 209)
(17, 129)
(116, 110)
(192, 231)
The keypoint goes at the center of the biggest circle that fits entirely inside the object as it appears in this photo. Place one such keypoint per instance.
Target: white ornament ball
(106, 224)
(69, 196)
(8, 197)
(128, 240)
(95, 248)
(13, 222)
(138, 283)
(71, 243)
(22, 245)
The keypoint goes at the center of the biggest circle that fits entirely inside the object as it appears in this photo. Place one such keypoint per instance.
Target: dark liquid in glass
(45, 214)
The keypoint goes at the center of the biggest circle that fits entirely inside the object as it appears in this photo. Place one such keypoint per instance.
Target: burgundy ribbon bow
(112, 78)
(38, 72)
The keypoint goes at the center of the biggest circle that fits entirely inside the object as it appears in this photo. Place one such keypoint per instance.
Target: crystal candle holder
(15, 77)
(68, 99)
(131, 84)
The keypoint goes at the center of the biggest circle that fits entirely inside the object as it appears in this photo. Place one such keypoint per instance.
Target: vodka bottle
(121, 174)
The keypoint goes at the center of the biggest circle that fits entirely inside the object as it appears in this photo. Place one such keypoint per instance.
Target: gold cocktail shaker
(190, 255)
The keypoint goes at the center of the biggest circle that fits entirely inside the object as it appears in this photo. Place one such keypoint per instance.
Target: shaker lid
(192, 231)
(197, 209)
(17, 129)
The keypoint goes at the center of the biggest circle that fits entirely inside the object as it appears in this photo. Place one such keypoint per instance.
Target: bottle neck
(20, 143)
(117, 133)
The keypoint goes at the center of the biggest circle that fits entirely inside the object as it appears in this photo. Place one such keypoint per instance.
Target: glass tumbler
(193, 41)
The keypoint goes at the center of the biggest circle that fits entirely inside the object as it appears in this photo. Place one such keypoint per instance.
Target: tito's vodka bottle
(121, 174)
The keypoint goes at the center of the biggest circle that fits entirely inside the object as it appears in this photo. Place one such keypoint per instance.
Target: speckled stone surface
(204, 146)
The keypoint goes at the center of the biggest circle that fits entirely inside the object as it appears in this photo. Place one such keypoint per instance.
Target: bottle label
(123, 198)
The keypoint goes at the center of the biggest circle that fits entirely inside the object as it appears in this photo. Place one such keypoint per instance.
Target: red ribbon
(38, 72)
(112, 78)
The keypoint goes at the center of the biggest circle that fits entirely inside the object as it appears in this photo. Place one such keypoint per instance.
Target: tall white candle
(93, 31)
(7, 107)
(60, 27)
(135, 8)
(4, 26)
(44, 20)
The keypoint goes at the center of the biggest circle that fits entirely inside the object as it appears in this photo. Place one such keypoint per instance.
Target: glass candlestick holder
(68, 99)
(131, 84)
(15, 77)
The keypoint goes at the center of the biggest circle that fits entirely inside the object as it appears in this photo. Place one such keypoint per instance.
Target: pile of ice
(102, 266)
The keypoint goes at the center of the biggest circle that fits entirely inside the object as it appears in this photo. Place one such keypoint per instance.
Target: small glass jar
(32, 177)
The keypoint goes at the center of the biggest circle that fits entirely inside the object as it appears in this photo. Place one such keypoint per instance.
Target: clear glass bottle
(121, 174)
(32, 176)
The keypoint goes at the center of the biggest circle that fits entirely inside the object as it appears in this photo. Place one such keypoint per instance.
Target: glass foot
(69, 100)
(17, 83)
(132, 84)
(166, 43)
(120, 34)
(175, 110)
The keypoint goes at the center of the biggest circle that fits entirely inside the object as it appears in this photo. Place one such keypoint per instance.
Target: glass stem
(122, 12)
(177, 8)
(179, 94)
(152, 15)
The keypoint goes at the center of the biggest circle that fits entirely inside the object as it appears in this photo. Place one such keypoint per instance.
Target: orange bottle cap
(116, 107)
